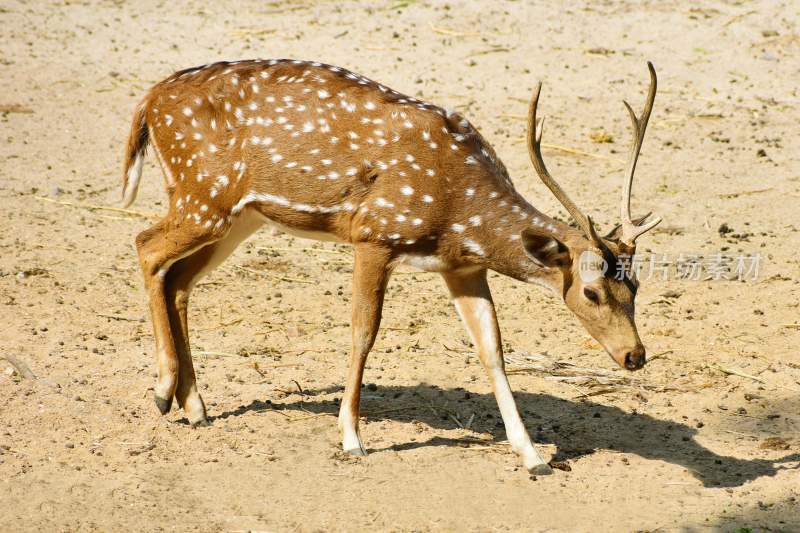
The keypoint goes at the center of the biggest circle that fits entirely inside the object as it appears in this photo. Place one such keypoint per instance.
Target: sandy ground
(705, 438)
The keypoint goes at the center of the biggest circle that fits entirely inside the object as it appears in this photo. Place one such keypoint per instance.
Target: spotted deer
(321, 152)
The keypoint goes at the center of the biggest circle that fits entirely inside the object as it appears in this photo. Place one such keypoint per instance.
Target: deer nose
(635, 359)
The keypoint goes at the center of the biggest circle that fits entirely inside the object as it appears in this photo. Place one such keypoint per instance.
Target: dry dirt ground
(705, 438)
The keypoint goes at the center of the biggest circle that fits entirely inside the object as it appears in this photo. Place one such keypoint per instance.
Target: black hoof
(540, 470)
(163, 405)
(202, 423)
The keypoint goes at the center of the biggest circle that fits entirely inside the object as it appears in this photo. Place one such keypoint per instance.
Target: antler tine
(631, 232)
(535, 130)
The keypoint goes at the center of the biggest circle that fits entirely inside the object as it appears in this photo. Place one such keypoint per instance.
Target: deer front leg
(473, 301)
(370, 276)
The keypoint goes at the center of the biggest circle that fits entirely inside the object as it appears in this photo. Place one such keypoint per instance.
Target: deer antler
(631, 231)
(535, 128)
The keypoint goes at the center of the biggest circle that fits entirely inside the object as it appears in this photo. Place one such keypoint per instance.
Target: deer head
(589, 270)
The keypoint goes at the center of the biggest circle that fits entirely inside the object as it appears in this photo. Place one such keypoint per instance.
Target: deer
(318, 151)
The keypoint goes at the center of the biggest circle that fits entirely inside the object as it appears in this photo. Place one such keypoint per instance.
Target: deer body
(321, 152)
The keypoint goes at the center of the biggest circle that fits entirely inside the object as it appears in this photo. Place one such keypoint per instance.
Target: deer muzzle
(632, 359)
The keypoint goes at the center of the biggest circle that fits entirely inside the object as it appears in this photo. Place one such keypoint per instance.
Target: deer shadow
(576, 428)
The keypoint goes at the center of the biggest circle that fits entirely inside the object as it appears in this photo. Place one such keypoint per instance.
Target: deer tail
(134, 155)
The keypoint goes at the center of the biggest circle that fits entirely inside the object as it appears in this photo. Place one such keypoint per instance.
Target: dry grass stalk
(734, 372)
(116, 317)
(568, 373)
(575, 151)
(243, 33)
(15, 108)
(21, 367)
(306, 249)
(93, 207)
(744, 193)
(738, 17)
(489, 51)
(454, 33)
(205, 353)
(469, 422)
(274, 276)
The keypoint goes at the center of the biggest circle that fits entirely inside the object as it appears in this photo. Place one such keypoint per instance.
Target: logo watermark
(684, 266)
(591, 266)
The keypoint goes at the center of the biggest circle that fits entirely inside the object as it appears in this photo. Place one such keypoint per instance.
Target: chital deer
(321, 152)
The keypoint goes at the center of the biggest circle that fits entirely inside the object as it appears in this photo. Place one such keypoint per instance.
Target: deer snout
(634, 359)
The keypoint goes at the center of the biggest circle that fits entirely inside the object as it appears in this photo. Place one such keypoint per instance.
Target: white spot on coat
(473, 247)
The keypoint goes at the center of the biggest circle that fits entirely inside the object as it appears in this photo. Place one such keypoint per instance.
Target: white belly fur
(426, 263)
(303, 234)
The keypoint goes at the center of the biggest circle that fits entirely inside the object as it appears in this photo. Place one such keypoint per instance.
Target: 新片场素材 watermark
(683, 266)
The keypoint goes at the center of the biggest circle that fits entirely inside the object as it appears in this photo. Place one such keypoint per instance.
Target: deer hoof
(202, 423)
(542, 469)
(353, 446)
(357, 452)
(163, 405)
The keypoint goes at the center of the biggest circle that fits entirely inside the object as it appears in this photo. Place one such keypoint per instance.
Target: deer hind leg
(370, 276)
(159, 247)
(473, 301)
(181, 279)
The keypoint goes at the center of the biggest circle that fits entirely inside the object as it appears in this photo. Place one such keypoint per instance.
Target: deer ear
(545, 249)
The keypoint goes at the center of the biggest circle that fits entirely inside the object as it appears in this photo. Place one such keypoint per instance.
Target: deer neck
(491, 238)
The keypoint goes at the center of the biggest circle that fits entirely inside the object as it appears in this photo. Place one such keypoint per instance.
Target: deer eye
(591, 295)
